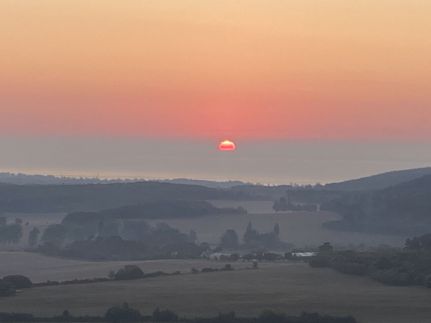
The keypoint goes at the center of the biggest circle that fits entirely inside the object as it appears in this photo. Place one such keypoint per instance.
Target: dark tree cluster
(10, 233)
(129, 272)
(411, 266)
(33, 237)
(402, 208)
(9, 284)
(229, 240)
(164, 244)
(125, 313)
(252, 239)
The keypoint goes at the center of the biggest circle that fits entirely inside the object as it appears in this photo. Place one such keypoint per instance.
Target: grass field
(287, 287)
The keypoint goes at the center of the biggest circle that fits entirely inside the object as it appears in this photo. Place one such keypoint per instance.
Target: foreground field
(288, 287)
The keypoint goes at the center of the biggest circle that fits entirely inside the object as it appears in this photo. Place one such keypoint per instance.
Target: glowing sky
(214, 69)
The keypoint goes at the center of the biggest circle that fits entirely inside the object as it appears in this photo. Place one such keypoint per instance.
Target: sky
(192, 72)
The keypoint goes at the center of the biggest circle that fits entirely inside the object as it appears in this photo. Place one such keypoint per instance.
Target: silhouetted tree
(164, 316)
(33, 237)
(6, 288)
(326, 248)
(229, 240)
(55, 234)
(65, 316)
(19, 281)
(250, 234)
(281, 204)
(122, 314)
(277, 229)
(11, 233)
(129, 272)
(193, 237)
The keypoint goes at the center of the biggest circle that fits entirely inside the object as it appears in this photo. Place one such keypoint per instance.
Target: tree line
(125, 313)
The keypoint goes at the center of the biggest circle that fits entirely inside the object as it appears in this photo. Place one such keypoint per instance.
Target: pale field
(287, 287)
(42, 268)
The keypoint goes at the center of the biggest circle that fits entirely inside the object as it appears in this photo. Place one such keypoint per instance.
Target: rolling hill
(402, 208)
(93, 197)
(379, 181)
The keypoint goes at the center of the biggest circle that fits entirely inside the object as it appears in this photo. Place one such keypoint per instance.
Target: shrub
(19, 281)
(129, 272)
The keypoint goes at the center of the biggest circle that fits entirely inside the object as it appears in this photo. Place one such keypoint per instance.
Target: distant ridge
(202, 182)
(28, 179)
(380, 181)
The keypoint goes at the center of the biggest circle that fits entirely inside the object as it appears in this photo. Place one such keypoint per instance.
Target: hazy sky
(197, 70)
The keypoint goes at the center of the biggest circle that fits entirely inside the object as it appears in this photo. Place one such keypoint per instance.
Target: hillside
(90, 197)
(163, 209)
(380, 181)
(403, 208)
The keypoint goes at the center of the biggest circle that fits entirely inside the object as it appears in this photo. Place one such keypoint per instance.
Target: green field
(287, 287)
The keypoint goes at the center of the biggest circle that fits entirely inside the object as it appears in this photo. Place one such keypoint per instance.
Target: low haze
(277, 162)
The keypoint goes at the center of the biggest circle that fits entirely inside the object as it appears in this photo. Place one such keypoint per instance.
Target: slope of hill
(403, 208)
(90, 197)
(380, 181)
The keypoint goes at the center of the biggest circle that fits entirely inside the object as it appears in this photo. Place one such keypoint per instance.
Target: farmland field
(287, 287)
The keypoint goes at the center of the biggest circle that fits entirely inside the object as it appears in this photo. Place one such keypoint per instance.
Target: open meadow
(287, 287)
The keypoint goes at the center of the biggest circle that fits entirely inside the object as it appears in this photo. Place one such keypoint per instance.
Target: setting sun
(227, 145)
